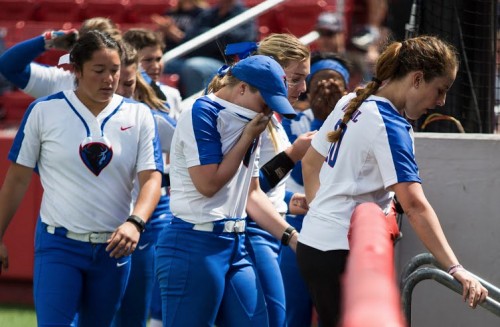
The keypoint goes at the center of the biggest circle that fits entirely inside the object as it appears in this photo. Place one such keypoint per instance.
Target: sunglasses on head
(326, 33)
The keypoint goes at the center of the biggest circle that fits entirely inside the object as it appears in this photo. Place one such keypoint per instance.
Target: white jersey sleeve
(46, 80)
(173, 100)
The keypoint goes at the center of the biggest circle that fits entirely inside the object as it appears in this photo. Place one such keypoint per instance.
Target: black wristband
(287, 235)
(138, 222)
(277, 168)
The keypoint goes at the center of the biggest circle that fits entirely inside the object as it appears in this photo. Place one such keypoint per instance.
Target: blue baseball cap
(266, 75)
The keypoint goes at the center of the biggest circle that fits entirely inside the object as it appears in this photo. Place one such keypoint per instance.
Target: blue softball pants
(207, 278)
(264, 250)
(134, 309)
(75, 278)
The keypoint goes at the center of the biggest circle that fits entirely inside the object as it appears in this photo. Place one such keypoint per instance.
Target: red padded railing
(370, 293)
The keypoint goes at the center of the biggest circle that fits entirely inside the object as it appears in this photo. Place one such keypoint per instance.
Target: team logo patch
(96, 156)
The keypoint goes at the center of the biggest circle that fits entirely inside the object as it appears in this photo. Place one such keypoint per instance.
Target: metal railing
(221, 29)
(215, 32)
(424, 266)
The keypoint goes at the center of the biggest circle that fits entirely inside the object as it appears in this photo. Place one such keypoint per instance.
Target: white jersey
(375, 152)
(268, 150)
(297, 126)
(165, 127)
(173, 100)
(204, 134)
(87, 164)
(45, 80)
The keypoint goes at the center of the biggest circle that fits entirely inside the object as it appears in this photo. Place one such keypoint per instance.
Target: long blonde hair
(284, 48)
(144, 93)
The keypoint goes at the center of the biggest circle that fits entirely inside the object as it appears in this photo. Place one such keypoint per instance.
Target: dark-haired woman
(88, 146)
(364, 153)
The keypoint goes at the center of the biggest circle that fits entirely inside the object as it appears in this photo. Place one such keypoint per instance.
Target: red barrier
(370, 294)
(15, 284)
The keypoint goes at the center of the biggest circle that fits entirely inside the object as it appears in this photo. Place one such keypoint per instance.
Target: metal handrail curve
(428, 259)
(414, 273)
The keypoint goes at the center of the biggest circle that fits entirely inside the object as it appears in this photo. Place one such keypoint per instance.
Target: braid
(361, 95)
(387, 65)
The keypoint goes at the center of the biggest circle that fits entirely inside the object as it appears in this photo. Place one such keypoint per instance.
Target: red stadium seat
(59, 10)
(29, 29)
(15, 10)
(112, 9)
(50, 57)
(299, 17)
(126, 26)
(170, 80)
(270, 22)
(12, 32)
(141, 10)
(15, 103)
(24, 30)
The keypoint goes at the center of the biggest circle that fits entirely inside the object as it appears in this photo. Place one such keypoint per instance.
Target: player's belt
(219, 226)
(95, 237)
(228, 226)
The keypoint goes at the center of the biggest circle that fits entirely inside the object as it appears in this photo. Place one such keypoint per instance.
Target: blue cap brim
(279, 104)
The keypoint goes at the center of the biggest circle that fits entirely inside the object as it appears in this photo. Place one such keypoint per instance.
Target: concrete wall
(461, 179)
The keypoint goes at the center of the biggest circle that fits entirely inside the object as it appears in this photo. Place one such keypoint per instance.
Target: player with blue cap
(202, 263)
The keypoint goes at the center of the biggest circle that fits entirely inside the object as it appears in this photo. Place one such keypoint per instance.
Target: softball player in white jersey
(135, 304)
(40, 80)
(203, 268)
(326, 83)
(277, 158)
(364, 153)
(88, 146)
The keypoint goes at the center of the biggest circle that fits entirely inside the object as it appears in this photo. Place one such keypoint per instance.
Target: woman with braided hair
(364, 153)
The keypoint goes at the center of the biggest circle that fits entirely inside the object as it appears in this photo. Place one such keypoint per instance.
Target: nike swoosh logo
(142, 247)
(120, 264)
(125, 128)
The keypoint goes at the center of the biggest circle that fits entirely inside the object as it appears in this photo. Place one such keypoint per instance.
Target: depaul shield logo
(96, 156)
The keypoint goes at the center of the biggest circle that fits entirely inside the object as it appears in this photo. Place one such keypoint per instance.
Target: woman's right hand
(256, 126)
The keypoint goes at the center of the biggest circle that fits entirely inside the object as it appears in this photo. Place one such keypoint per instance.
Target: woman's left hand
(123, 241)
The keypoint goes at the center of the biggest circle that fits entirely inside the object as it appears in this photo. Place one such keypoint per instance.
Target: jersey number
(331, 159)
